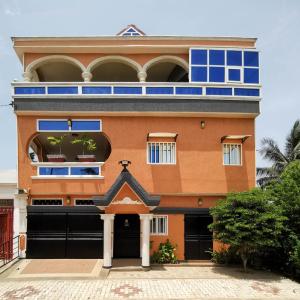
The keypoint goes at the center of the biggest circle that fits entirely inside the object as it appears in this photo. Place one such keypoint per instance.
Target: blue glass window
(246, 92)
(127, 90)
(62, 90)
(84, 171)
(131, 30)
(216, 74)
(29, 90)
(96, 90)
(86, 125)
(55, 125)
(216, 57)
(53, 171)
(159, 90)
(251, 75)
(218, 91)
(250, 58)
(199, 74)
(234, 75)
(234, 58)
(199, 57)
(188, 91)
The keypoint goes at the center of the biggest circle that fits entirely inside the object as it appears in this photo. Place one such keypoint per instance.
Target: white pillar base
(107, 243)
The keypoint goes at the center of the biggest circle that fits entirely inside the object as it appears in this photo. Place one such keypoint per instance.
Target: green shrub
(165, 254)
(295, 256)
(225, 256)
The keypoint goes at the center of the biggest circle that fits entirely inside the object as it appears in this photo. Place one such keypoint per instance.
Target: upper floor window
(69, 125)
(232, 154)
(161, 153)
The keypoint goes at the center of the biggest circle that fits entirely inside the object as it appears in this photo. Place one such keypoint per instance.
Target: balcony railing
(68, 170)
(136, 89)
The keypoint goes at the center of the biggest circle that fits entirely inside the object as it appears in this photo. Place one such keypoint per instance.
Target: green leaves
(87, 143)
(56, 141)
(165, 253)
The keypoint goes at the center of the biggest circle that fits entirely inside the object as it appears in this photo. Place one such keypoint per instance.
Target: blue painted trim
(188, 90)
(218, 91)
(125, 90)
(159, 90)
(96, 90)
(62, 90)
(246, 92)
(30, 90)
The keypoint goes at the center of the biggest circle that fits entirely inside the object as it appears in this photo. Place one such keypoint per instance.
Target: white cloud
(11, 12)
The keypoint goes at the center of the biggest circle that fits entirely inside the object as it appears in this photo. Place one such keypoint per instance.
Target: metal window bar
(9, 251)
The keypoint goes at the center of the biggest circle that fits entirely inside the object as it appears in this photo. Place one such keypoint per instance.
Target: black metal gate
(60, 232)
(197, 237)
(127, 236)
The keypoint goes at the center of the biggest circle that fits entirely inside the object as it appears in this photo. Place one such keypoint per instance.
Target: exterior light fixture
(125, 163)
(200, 201)
(68, 200)
(202, 124)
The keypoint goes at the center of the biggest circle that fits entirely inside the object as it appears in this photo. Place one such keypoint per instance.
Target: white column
(145, 224)
(142, 76)
(107, 246)
(87, 76)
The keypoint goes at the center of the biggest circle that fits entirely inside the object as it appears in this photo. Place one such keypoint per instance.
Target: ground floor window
(159, 225)
(232, 154)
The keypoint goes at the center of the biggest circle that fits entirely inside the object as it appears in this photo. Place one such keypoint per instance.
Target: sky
(276, 24)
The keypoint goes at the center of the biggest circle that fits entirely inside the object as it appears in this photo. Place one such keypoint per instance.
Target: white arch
(40, 61)
(166, 58)
(114, 58)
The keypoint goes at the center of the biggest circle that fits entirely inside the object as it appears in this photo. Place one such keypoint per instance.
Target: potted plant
(87, 143)
(56, 141)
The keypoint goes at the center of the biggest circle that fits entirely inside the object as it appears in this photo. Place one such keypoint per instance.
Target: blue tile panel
(55, 125)
(123, 90)
(53, 171)
(234, 58)
(246, 92)
(188, 91)
(217, 57)
(86, 125)
(199, 74)
(30, 90)
(216, 74)
(159, 90)
(199, 57)
(251, 75)
(96, 90)
(251, 59)
(234, 75)
(84, 171)
(62, 90)
(219, 91)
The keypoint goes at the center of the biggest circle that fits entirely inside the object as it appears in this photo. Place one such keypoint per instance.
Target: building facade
(127, 141)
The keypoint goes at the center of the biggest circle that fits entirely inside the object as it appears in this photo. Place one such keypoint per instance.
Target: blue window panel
(62, 90)
(246, 92)
(56, 125)
(126, 34)
(218, 91)
(199, 74)
(159, 90)
(216, 74)
(131, 30)
(135, 34)
(199, 57)
(53, 171)
(188, 91)
(217, 57)
(84, 171)
(127, 90)
(251, 75)
(86, 126)
(152, 156)
(96, 90)
(234, 58)
(30, 90)
(250, 59)
(234, 75)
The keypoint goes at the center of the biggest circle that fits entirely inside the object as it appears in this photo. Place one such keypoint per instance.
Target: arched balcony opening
(69, 147)
(113, 71)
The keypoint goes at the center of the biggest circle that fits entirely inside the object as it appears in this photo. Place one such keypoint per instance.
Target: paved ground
(180, 282)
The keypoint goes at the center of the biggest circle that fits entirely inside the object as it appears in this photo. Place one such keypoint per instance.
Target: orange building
(128, 140)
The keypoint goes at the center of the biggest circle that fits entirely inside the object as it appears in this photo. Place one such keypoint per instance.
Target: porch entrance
(126, 236)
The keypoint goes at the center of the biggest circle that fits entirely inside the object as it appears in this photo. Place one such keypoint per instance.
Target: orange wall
(199, 168)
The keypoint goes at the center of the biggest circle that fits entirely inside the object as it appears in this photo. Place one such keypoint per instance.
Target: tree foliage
(248, 222)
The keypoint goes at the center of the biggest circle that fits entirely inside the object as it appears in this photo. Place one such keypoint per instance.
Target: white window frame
(241, 153)
(38, 130)
(234, 68)
(157, 217)
(61, 199)
(173, 155)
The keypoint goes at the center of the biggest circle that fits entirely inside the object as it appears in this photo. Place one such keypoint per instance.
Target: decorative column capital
(142, 75)
(107, 217)
(87, 76)
(27, 76)
(146, 216)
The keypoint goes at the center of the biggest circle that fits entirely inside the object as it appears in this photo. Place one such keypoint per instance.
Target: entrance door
(127, 236)
(64, 235)
(197, 237)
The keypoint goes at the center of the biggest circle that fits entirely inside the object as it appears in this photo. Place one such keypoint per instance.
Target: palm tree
(271, 151)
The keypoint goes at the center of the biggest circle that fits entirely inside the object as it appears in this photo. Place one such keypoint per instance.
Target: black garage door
(72, 232)
(197, 237)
